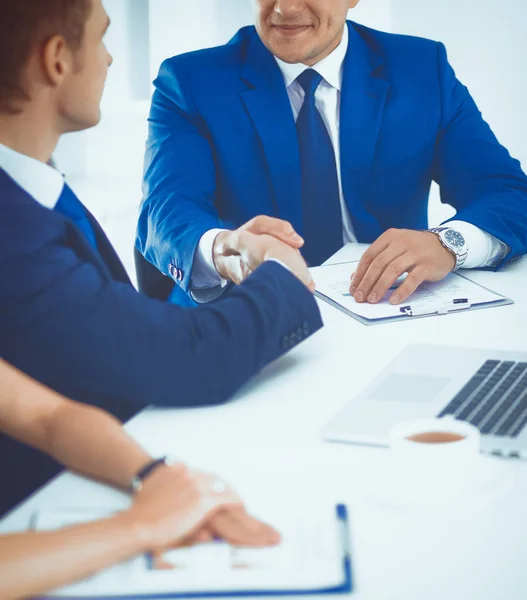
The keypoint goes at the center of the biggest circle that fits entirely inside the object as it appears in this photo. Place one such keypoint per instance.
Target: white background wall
(487, 46)
(486, 41)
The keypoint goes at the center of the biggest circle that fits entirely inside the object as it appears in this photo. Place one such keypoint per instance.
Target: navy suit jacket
(70, 318)
(223, 148)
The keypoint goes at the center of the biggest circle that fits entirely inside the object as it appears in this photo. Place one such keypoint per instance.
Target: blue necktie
(70, 206)
(320, 190)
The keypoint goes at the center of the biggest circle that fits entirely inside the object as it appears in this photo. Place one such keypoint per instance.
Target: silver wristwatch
(454, 242)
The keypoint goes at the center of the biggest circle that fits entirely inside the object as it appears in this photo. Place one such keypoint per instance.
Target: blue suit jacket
(70, 318)
(223, 148)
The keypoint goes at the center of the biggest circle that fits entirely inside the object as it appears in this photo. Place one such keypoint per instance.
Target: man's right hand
(238, 253)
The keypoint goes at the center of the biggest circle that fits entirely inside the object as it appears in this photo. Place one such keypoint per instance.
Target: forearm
(81, 437)
(90, 441)
(32, 563)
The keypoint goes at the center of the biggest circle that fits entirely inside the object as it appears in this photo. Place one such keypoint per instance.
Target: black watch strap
(137, 481)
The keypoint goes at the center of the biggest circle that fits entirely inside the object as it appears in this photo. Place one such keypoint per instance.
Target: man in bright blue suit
(339, 130)
(69, 316)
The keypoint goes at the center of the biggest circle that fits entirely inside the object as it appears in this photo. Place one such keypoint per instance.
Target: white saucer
(488, 480)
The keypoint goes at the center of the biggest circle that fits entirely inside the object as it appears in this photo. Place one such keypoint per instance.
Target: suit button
(180, 275)
(285, 343)
(305, 328)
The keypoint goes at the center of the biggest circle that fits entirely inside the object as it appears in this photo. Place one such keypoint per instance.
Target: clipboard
(405, 310)
(344, 586)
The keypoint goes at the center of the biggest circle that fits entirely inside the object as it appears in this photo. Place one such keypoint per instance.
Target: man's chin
(290, 56)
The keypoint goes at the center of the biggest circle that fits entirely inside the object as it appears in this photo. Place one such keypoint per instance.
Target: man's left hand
(395, 252)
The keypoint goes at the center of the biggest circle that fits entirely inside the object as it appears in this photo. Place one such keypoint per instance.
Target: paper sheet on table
(333, 281)
(310, 557)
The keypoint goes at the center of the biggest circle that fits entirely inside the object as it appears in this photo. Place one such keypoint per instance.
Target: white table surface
(266, 442)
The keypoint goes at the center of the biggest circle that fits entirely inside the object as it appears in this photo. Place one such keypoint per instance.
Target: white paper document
(310, 557)
(449, 295)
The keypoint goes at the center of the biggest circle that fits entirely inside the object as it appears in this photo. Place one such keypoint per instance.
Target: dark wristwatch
(454, 242)
(137, 481)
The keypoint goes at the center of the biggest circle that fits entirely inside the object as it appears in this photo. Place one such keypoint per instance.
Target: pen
(444, 308)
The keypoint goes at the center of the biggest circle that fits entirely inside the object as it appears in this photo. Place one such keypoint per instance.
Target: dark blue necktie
(70, 206)
(322, 214)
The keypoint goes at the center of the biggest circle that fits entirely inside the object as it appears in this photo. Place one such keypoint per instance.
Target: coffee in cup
(436, 437)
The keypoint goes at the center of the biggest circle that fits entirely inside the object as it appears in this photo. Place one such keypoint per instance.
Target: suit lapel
(104, 258)
(362, 103)
(270, 110)
(107, 252)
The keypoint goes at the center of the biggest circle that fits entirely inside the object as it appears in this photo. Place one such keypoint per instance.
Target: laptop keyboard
(494, 400)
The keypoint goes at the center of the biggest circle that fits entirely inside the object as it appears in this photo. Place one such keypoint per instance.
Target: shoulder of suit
(13, 197)
(229, 54)
(25, 225)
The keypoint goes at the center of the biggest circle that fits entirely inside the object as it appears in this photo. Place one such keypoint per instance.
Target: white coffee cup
(433, 455)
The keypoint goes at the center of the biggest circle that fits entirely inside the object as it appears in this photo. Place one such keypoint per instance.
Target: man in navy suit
(69, 316)
(337, 129)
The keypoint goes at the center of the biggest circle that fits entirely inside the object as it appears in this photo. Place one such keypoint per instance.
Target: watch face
(454, 238)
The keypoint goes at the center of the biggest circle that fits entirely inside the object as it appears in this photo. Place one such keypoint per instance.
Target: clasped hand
(238, 253)
(395, 252)
(177, 507)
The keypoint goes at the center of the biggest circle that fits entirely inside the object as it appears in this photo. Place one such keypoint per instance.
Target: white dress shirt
(40, 181)
(483, 249)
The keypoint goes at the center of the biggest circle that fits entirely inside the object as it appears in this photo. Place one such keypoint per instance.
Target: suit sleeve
(476, 174)
(65, 323)
(179, 180)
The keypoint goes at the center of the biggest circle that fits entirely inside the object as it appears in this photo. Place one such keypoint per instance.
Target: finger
(278, 228)
(159, 563)
(200, 536)
(231, 521)
(367, 258)
(237, 527)
(203, 536)
(391, 273)
(376, 269)
(413, 280)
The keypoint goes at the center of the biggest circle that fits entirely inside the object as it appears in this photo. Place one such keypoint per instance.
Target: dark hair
(26, 24)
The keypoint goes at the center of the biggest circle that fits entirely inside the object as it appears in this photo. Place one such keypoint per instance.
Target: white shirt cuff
(206, 283)
(204, 274)
(484, 250)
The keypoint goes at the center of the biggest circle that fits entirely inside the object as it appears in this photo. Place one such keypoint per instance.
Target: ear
(56, 60)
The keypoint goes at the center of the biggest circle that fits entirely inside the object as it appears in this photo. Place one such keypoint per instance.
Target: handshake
(238, 253)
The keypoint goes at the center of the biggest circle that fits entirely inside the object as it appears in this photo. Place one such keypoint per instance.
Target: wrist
(453, 242)
(138, 533)
(148, 469)
(218, 253)
(450, 255)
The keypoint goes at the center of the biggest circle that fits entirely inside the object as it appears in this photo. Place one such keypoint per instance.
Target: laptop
(483, 387)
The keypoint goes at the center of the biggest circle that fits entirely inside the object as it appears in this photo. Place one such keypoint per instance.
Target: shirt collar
(42, 182)
(330, 67)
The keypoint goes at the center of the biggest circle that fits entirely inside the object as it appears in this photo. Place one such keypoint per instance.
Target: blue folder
(346, 586)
